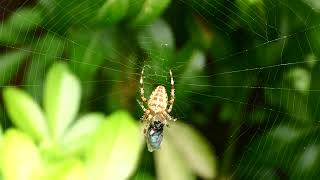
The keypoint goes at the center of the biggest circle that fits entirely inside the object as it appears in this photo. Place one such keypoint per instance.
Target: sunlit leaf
(151, 9)
(194, 149)
(80, 134)
(65, 170)
(61, 98)
(20, 158)
(25, 113)
(115, 149)
(10, 63)
(170, 163)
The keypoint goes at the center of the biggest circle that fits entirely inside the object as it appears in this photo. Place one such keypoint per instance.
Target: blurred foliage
(246, 79)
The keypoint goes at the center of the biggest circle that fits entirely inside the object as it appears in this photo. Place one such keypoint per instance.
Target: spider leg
(144, 99)
(142, 106)
(169, 117)
(171, 94)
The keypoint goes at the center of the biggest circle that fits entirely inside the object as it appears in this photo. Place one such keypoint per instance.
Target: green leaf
(87, 58)
(150, 10)
(115, 149)
(25, 113)
(20, 158)
(190, 73)
(194, 149)
(170, 164)
(112, 11)
(307, 163)
(16, 29)
(81, 133)
(134, 7)
(61, 14)
(158, 42)
(25, 19)
(61, 98)
(314, 4)
(10, 63)
(49, 48)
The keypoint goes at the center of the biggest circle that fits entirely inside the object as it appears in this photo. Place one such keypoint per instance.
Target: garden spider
(156, 115)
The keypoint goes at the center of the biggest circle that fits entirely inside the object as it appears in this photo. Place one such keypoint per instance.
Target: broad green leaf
(81, 133)
(190, 73)
(65, 170)
(25, 113)
(112, 11)
(194, 149)
(115, 149)
(10, 63)
(158, 42)
(150, 10)
(248, 10)
(49, 49)
(61, 14)
(170, 163)
(86, 59)
(134, 7)
(20, 158)
(157, 36)
(16, 29)
(201, 34)
(61, 98)
(25, 19)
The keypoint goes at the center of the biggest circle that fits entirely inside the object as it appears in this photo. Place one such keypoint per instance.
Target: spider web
(267, 108)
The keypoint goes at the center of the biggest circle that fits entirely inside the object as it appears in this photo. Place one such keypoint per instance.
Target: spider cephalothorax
(156, 115)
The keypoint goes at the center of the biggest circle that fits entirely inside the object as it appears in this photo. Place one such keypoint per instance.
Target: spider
(156, 115)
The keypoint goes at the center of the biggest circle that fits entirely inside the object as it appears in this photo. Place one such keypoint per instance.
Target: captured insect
(156, 115)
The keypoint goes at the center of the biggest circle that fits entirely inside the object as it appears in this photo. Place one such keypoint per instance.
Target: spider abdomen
(158, 100)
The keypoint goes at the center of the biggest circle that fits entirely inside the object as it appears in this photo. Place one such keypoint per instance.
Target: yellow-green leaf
(116, 147)
(20, 159)
(194, 149)
(61, 98)
(25, 113)
(169, 163)
(69, 169)
(81, 133)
